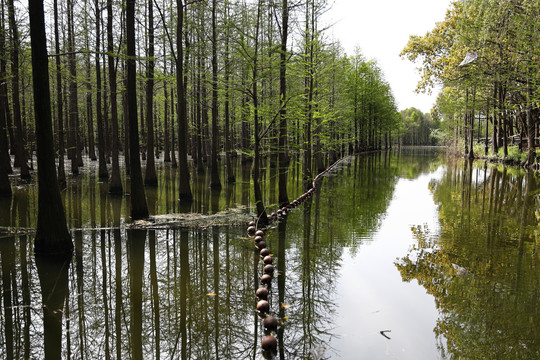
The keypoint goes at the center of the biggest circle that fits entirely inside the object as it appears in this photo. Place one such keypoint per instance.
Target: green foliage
(501, 77)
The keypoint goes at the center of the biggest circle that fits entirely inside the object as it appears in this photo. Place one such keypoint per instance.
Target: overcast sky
(381, 28)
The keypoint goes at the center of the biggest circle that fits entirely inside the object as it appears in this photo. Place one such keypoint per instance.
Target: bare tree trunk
(283, 157)
(261, 211)
(103, 174)
(20, 152)
(59, 102)
(52, 236)
(215, 182)
(89, 114)
(150, 174)
(115, 181)
(139, 207)
(184, 186)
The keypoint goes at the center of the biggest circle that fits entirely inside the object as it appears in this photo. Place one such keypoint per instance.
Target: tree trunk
(52, 236)
(20, 152)
(215, 182)
(5, 162)
(103, 174)
(261, 211)
(139, 208)
(115, 181)
(283, 157)
(228, 165)
(89, 114)
(150, 174)
(59, 102)
(73, 143)
(184, 188)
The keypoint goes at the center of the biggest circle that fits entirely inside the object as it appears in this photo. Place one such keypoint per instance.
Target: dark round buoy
(268, 260)
(264, 252)
(258, 238)
(252, 223)
(251, 230)
(268, 269)
(263, 306)
(261, 244)
(266, 279)
(270, 323)
(269, 343)
(259, 233)
(262, 293)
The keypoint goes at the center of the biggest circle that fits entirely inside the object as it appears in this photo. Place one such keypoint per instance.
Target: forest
(485, 57)
(211, 81)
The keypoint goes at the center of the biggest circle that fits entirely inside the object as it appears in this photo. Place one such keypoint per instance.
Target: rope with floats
(269, 342)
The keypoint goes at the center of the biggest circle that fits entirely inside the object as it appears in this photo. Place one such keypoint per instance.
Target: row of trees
(486, 57)
(419, 128)
(206, 80)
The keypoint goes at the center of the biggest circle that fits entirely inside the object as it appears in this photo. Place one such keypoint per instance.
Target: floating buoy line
(269, 342)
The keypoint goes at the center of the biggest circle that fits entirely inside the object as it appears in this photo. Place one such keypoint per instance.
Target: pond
(398, 255)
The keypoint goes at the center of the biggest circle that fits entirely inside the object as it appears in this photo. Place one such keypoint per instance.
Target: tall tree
(20, 151)
(215, 182)
(102, 167)
(184, 188)
(115, 181)
(261, 211)
(52, 236)
(5, 162)
(73, 112)
(139, 207)
(283, 157)
(59, 101)
(150, 175)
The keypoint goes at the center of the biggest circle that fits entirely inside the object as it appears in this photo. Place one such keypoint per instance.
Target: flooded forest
(220, 180)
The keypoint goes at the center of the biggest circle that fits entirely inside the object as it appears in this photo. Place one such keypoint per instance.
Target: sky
(381, 29)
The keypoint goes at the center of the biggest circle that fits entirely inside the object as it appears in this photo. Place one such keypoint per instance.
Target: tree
(103, 174)
(139, 207)
(184, 187)
(215, 182)
(115, 181)
(261, 211)
(150, 176)
(52, 236)
(20, 152)
(283, 157)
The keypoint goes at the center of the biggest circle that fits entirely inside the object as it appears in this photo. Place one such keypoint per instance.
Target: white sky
(381, 28)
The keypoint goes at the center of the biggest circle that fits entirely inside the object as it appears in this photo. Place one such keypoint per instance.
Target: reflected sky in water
(372, 295)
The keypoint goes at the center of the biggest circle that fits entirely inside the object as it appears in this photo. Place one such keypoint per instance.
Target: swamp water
(400, 255)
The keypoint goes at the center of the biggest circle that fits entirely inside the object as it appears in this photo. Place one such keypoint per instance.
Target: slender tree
(115, 181)
(215, 182)
(103, 173)
(20, 151)
(139, 207)
(261, 211)
(283, 157)
(150, 175)
(184, 188)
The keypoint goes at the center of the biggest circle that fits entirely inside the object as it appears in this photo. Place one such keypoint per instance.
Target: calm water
(403, 255)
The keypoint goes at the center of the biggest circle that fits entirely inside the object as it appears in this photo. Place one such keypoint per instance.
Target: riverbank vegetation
(485, 57)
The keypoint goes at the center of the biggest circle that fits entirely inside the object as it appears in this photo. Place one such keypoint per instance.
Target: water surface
(401, 255)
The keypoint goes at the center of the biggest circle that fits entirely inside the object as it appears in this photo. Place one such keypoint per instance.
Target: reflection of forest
(189, 293)
(482, 268)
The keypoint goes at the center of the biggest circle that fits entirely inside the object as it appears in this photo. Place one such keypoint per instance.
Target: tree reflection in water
(186, 293)
(482, 269)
